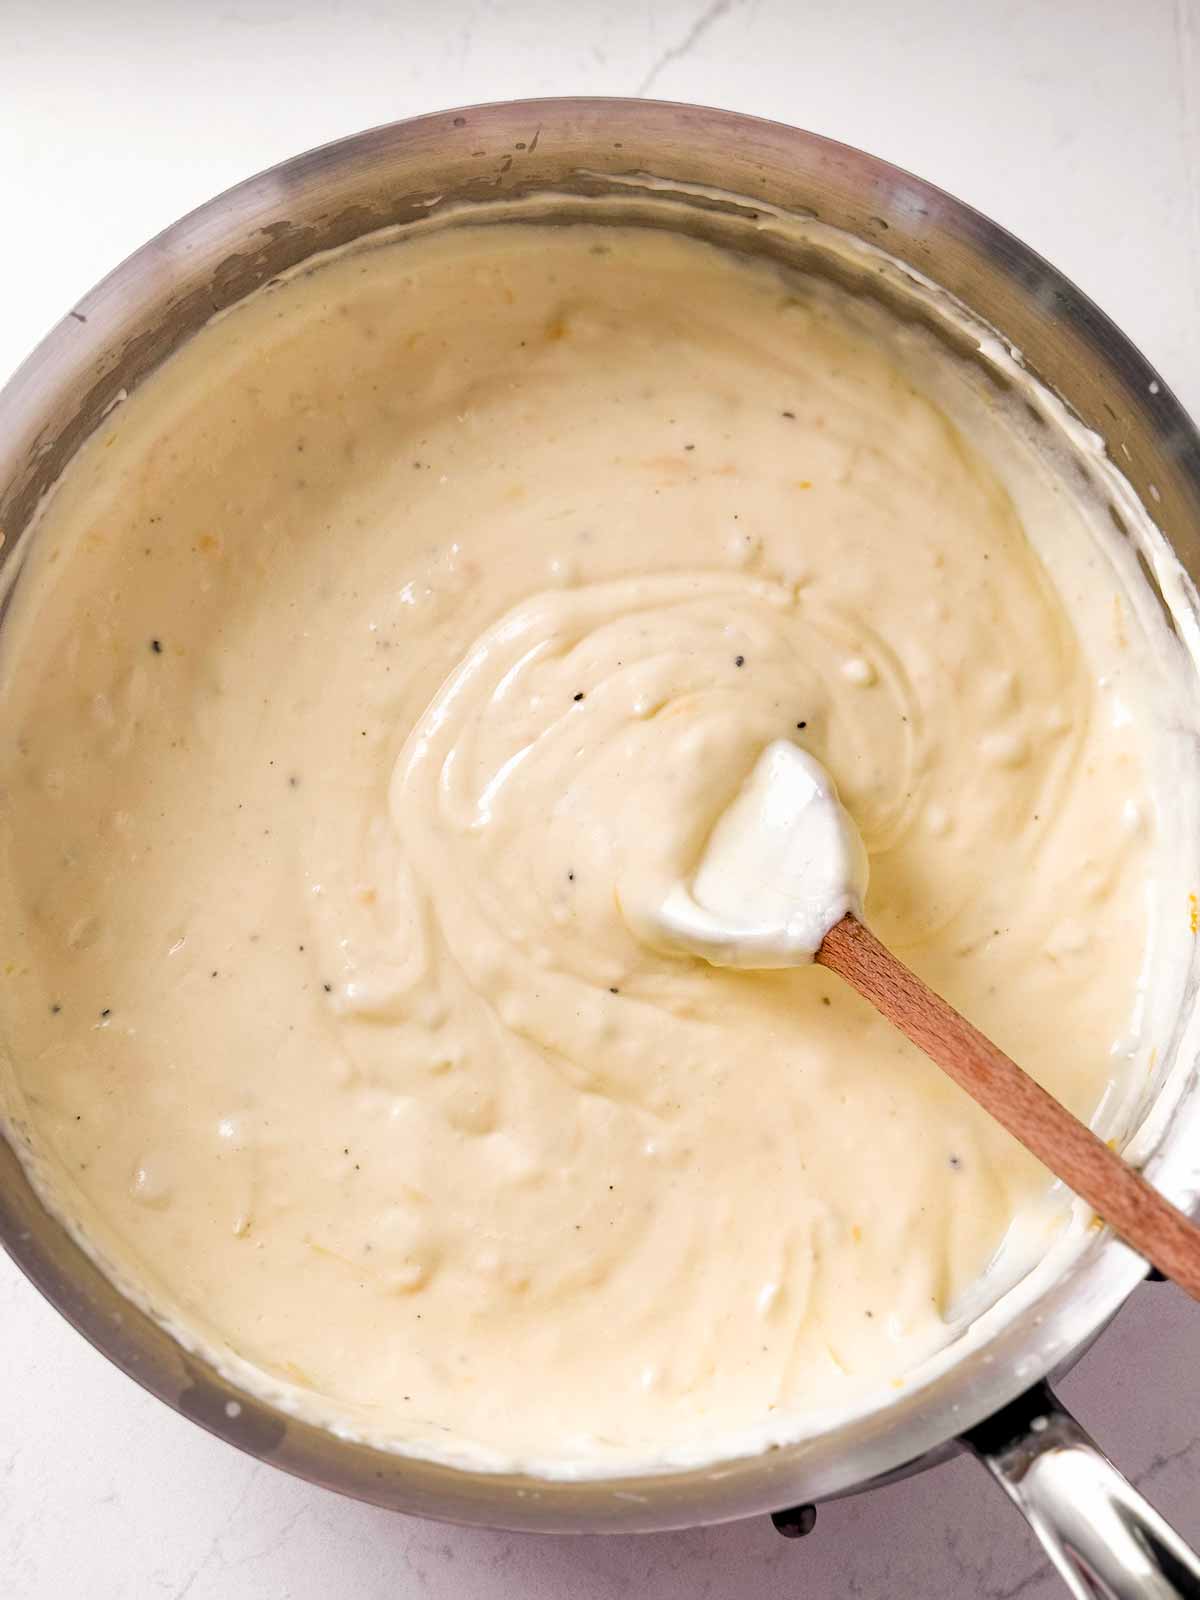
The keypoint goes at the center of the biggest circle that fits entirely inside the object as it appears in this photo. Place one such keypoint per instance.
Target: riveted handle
(1105, 1539)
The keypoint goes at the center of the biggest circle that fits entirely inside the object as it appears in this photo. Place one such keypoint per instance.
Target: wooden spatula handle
(1151, 1224)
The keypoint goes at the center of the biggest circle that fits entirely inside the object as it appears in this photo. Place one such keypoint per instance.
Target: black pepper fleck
(107, 1012)
(614, 990)
(328, 988)
(825, 1000)
(156, 646)
(802, 724)
(578, 696)
(55, 1009)
(790, 415)
(689, 447)
(739, 661)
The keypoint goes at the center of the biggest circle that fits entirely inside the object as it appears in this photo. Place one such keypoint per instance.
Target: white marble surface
(1076, 123)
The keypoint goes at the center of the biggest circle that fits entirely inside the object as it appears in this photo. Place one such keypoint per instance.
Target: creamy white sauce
(783, 864)
(420, 618)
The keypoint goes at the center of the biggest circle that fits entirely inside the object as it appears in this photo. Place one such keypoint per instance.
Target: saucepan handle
(1105, 1539)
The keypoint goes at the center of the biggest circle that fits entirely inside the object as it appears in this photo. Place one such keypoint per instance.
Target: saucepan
(714, 175)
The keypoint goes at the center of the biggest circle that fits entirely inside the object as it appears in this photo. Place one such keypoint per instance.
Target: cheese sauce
(416, 616)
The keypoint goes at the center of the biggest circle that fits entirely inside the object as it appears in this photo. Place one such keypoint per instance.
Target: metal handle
(1106, 1541)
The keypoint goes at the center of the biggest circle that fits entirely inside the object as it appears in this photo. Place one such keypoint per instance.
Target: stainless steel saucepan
(595, 155)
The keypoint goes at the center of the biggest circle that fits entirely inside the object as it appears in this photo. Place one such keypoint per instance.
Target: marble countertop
(1075, 124)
